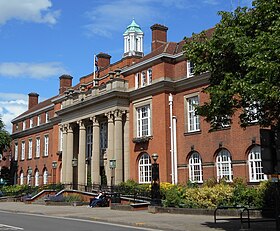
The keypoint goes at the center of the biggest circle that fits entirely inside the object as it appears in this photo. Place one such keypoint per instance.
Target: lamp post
(112, 165)
(155, 189)
(54, 166)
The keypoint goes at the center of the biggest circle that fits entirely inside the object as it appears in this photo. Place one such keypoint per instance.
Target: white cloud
(38, 11)
(211, 2)
(31, 70)
(109, 17)
(11, 105)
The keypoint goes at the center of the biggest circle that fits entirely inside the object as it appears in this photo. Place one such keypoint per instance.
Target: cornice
(104, 98)
(31, 131)
(32, 113)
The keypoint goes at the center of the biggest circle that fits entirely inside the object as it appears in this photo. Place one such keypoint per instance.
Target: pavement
(142, 218)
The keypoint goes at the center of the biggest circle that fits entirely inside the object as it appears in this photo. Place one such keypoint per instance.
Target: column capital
(95, 121)
(118, 114)
(110, 116)
(70, 127)
(81, 124)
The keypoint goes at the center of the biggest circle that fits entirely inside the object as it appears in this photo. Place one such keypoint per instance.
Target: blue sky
(42, 39)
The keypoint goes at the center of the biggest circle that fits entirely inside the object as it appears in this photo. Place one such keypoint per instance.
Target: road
(32, 222)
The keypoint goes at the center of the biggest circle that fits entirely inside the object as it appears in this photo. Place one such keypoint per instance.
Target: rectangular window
(150, 76)
(47, 117)
(143, 79)
(60, 140)
(103, 135)
(89, 141)
(31, 122)
(193, 118)
(37, 147)
(16, 151)
(38, 120)
(143, 121)
(23, 125)
(136, 80)
(46, 145)
(190, 69)
(22, 150)
(30, 149)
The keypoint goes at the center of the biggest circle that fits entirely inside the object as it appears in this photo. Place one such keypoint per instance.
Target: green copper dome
(133, 27)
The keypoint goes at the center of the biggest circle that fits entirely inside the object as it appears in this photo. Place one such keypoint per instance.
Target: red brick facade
(134, 87)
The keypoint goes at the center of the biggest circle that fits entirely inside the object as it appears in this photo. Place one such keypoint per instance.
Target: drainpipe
(170, 98)
(175, 149)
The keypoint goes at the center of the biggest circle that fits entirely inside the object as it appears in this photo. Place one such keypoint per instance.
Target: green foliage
(5, 138)
(243, 58)
(131, 187)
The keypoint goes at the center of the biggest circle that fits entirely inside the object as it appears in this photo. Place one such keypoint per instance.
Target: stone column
(95, 160)
(70, 144)
(82, 156)
(118, 147)
(110, 149)
(64, 154)
(126, 148)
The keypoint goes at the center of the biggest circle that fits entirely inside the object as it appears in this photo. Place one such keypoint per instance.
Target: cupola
(133, 40)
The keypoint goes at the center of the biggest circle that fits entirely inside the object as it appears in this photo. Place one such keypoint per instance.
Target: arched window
(195, 168)
(255, 165)
(21, 177)
(45, 177)
(224, 167)
(28, 180)
(145, 169)
(36, 177)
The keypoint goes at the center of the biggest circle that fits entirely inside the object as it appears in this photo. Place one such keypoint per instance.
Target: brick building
(105, 128)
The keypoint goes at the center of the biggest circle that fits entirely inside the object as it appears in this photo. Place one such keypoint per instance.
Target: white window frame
(60, 140)
(143, 79)
(224, 165)
(193, 120)
(21, 178)
(16, 151)
(46, 145)
(195, 168)
(31, 123)
(143, 120)
(137, 80)
(144, 169)
(38, 120)
(36, 178)
(24, 125)
(255, 165)
(190, 69)
(149, 76)
(28, 178)
(45, 177)
(47, 118)
(38, 147)
(22, 157)
(30, 149)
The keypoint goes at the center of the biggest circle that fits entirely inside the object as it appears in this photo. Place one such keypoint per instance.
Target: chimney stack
(32, 100)
(65, 83)
(159, 35)
(103, 60)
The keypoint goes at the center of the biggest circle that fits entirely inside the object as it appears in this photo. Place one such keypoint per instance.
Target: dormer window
(190, 69)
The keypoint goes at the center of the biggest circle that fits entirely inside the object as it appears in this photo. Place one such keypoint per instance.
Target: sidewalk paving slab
(142, 218)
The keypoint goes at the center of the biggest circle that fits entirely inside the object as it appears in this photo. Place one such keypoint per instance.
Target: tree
(243, 57)
(5, 137)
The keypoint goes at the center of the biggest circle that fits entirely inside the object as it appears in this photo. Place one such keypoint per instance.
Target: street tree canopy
(243, 57)
(5, 137)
